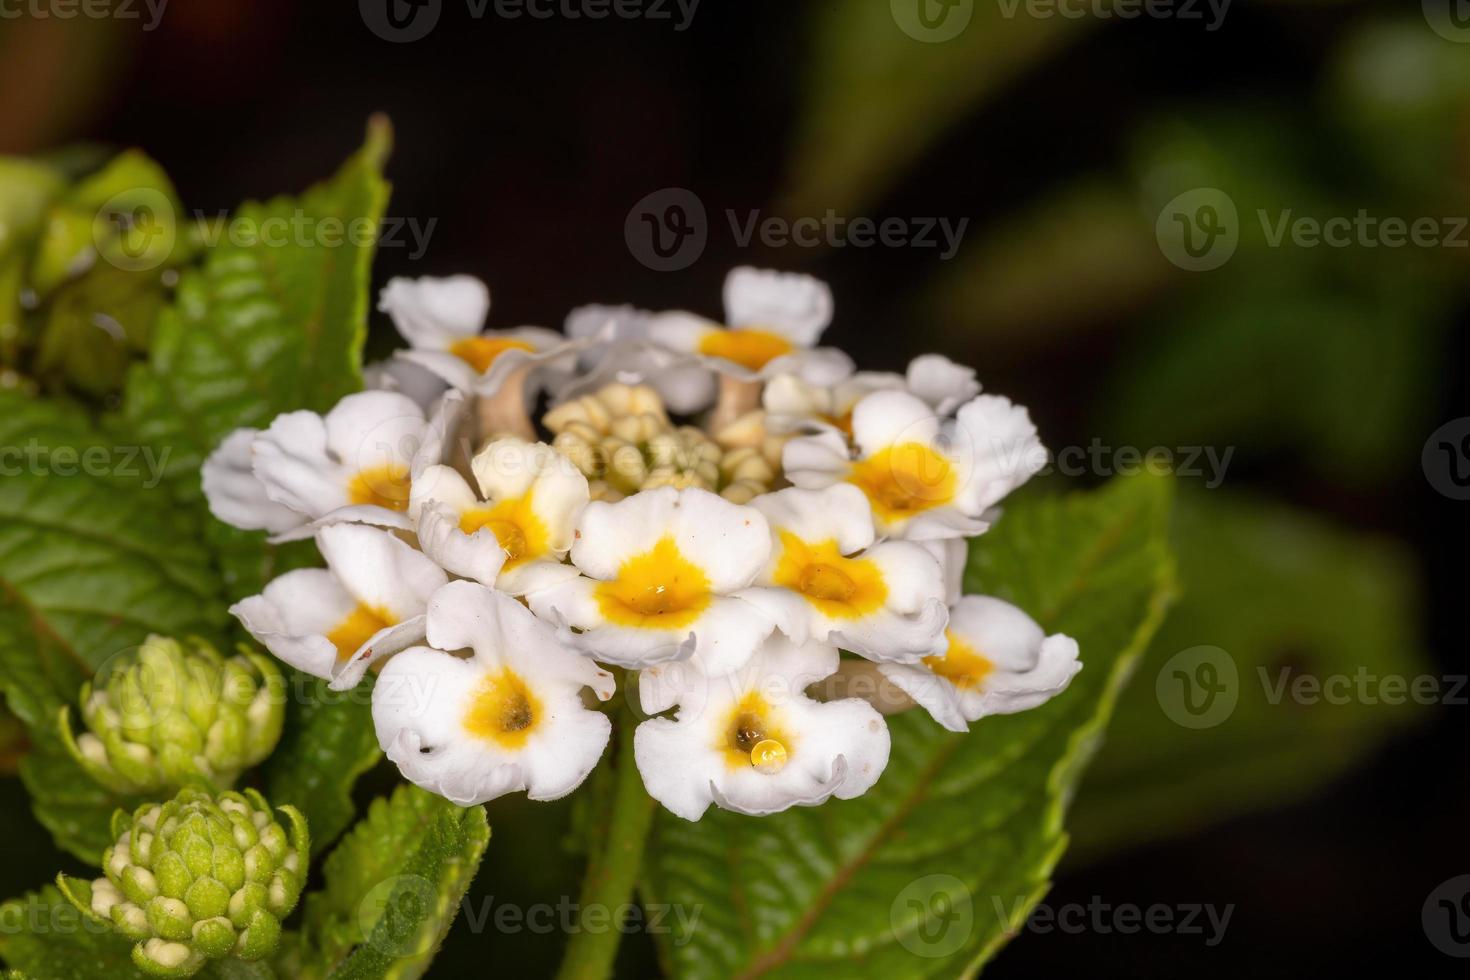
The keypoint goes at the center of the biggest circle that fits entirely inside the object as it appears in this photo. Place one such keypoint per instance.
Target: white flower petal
(431, 313)
(837, 513)
(892, 418)
(795, 306)
(816, 461)
(940, 382)
(1001, 444)
(236, 496)
(452, 370)
(294, 614)
(372, 429)
(379, 569)
(930, 691)
(404, 377)
(478, 556)
(291, 460)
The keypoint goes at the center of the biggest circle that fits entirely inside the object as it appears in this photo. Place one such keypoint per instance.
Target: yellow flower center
(383, 486)
(357, 628)
(753, 736)
(514, 522)
(962, 665)
(752, 349)
(503, 710)
(905, 479)
(843, 588)
(480, 352)
(659, 589)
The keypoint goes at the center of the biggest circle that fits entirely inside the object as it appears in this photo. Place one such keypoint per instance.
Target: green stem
(613, 869)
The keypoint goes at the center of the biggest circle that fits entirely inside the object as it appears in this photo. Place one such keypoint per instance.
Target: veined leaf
(329, 741)
(393, 888)
(934, 868)
(93, 558)
(1278, 595)
(266, 325)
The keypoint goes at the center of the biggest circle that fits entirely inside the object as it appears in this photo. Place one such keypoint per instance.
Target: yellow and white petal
(548, 354)
(758, 745)
(236, 496)
(441, 485)
(940, 382)
(996, 660)
(886, 419)
(432, 313)
(387, 577)
(477, 556)
(296, 615)
(508, 718)
(1000, 448)
(839, 514)
(680, 330)
(793, 306)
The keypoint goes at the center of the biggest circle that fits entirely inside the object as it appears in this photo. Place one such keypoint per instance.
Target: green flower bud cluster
(169, 715)
(198, 878)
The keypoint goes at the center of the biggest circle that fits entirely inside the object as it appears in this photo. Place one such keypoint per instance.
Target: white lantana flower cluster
(716, 509)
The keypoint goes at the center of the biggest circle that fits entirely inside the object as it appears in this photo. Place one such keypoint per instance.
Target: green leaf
(93, 558)
(934, 868)
(47, 938)
(328, 742)
(265, 326)
(1276, 590)
(393, 888)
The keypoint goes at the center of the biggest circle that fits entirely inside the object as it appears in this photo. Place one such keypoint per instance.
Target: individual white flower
(356, 463)
(515, 532)
(441, 320)
(995, 660)
(774, 321)
(333, 622)
(662, 567)
(792, 404)
(926, 477)
(756, 744)
(507, 718)
(827, 581)
(621, 353)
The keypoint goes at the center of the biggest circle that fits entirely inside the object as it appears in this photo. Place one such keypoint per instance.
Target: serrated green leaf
(261, 329)
(393, 888)
(328, 742)
(43, 935)
(935, 867)
(1321, 602)
(93, 558)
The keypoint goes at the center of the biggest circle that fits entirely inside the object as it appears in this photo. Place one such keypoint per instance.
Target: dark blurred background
(1327, 547)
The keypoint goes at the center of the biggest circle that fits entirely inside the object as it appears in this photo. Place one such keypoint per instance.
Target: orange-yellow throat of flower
(481, 352)
(521, 533)
(357, 628)
(905, 479)
(842, 588)
(752, 349)
(503, 710)
(382, 486)
(962, 665)
(659, 589)
(753, 736)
